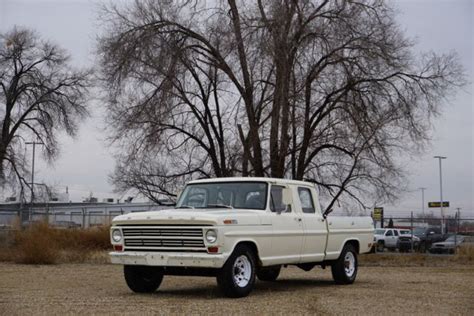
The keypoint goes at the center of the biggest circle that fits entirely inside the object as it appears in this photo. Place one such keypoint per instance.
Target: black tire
(380, 246)
(269, 274)
(338, 269)
(242, 259)
(143, 279)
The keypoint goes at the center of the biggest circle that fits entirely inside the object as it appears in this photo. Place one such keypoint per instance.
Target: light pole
(423, 202)
(441, 191)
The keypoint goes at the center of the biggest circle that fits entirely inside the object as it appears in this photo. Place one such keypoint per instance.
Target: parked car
(428, 236)
(386, 238)
(406, 239)
(237, 229)
(448, 246)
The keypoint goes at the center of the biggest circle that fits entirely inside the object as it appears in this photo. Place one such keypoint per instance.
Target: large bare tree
(40, 96)
(327, 91)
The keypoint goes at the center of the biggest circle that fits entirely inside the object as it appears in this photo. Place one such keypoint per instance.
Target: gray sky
(440, 26)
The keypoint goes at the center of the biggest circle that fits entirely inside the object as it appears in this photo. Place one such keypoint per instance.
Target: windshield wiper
(219, 205)
(185, 206)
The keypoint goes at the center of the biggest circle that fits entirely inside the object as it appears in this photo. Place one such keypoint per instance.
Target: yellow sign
(438, 204)
(378, 213)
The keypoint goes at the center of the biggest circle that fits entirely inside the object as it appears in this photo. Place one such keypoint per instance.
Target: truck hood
(191, 216)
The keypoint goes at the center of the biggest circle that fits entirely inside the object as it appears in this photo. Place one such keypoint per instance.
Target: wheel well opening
(355, 244)
(254, 248)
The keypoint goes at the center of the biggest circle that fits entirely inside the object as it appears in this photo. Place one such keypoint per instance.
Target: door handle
(297, 219)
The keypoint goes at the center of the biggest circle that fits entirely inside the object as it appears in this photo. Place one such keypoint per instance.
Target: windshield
(379, 231)
(458, 239)
(405, 232)
(242, 195)
(419, 230)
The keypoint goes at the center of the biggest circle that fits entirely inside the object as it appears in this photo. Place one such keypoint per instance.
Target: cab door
(314, 226)
(390, 239)
(287, 228)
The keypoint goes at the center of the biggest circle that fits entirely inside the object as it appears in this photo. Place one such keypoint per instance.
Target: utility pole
(458, 215)
(441, 192)
(33, 168)
(423, 202)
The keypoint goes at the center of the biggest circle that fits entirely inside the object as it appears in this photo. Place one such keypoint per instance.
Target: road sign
(378, 213)
(438, 204)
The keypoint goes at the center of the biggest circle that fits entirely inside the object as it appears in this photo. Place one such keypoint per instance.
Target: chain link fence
(431, 234)
(69, 216)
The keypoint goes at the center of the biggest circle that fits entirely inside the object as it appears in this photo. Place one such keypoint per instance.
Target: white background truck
(237, 229)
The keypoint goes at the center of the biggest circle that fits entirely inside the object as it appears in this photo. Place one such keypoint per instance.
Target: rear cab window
(306, 200)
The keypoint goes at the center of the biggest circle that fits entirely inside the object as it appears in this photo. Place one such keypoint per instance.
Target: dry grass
(41, 244)
(465, 256)
(101, 290)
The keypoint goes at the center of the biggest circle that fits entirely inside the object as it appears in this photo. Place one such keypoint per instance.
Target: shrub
(41, 244)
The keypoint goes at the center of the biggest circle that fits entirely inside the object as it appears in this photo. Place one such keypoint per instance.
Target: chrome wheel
(349, 264)
(242, 271)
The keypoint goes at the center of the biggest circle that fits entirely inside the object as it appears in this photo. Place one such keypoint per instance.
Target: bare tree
(40, 96)
(327, 91)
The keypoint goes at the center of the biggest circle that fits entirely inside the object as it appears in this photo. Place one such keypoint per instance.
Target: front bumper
(168, 259)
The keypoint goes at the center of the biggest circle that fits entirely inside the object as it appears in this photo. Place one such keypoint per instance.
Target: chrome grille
(163, 238)
(160, 231)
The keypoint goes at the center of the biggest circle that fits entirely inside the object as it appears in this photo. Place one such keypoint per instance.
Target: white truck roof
(257, 179)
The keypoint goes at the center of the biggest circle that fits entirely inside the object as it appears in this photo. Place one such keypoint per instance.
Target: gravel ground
(100, 289)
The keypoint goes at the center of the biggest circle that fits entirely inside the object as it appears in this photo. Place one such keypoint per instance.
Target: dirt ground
(100, 289)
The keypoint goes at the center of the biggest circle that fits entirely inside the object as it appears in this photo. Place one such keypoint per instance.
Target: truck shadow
(261, 288)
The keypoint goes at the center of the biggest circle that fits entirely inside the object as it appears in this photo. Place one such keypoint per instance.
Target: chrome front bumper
(168, 259)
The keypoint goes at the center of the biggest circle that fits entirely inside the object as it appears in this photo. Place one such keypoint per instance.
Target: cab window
(306, 200)
(389, 233)
(276, 200)
(396, 232)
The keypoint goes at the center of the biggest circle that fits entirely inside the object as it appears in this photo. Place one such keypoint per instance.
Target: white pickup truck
(237, 229)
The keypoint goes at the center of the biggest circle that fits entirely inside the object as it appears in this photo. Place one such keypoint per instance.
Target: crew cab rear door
(314, 225)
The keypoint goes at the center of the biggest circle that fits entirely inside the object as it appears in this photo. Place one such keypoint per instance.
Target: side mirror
(178, 195)
(287, 196)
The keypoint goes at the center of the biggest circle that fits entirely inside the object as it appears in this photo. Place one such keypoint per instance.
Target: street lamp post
(441, 191)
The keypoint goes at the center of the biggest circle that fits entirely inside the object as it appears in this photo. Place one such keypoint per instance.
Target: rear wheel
(237, 276)
(380, 246)
(143, 279)
(344, 270)
(269, 273)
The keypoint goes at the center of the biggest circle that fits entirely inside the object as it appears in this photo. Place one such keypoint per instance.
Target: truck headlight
(116, 235)
(211, 236)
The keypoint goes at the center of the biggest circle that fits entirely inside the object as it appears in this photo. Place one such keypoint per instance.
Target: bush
(36, 245)
(41, 244)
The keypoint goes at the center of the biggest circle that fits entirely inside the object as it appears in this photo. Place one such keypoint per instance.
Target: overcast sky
(440, 26)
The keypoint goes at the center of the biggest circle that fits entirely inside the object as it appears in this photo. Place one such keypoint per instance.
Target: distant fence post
(411, 226)
(83, 217)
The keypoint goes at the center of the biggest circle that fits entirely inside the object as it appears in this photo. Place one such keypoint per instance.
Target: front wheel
(380, 246)
(344, 270)
(143, 279)
(237, 276)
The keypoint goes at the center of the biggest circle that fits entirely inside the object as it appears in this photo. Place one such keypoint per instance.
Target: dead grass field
(100, 289)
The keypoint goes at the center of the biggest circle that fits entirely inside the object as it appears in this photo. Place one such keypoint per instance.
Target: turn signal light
(118, 247)
(230, 221)
(212, 249)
